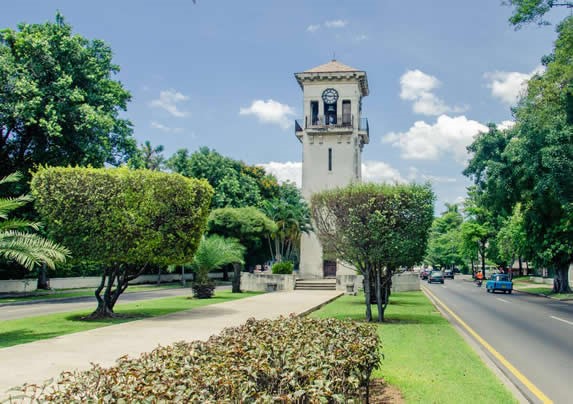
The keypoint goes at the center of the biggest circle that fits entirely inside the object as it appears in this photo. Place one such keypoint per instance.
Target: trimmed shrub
(284, 268)
(294, 359)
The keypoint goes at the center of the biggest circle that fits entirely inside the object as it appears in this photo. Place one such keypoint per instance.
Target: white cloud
(270, 111)
(313, 27)
(168, 101)
(448, 136)
(289, 171)
(437, 178)
(372, 171)
(378, 171)
(418, 86)
(164, 128)
(509, 86)
(336, 24)
(503, 125)
(361, 37)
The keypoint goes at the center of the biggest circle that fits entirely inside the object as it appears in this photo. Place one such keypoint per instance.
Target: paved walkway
(37, 361)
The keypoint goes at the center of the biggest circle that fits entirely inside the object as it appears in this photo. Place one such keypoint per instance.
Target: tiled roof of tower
(332, 66)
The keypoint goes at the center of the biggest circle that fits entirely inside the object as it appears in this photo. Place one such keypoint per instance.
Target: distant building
(333, 134)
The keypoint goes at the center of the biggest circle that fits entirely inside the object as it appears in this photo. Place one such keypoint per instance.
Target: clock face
(330, 96)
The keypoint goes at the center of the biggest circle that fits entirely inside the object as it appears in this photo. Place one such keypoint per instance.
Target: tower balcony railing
(327, 122)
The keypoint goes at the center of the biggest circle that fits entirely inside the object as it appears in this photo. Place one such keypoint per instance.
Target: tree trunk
(183, 275)
(225, 273)
(158, 275)
(379, 303)
(561, 279)
(366, 273)
(520, 266)
(43, 282)
(236, 278)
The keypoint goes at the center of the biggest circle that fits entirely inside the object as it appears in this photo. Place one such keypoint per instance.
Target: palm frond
(7, 205)
(14, 177)
(30, 249)
(19, 224)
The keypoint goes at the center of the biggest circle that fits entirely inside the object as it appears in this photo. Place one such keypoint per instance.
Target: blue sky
(220, 73)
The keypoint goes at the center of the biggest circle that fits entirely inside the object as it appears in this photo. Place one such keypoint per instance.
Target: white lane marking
(444, 286)
(560, 319)
(502, 300)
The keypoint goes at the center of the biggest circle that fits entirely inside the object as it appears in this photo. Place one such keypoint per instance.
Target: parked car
(448, 273)
(436, 276)
(499, 282)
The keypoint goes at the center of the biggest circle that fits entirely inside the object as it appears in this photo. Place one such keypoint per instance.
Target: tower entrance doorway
(329, 269)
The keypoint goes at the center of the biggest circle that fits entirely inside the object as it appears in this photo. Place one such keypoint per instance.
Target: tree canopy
(376, 228)
(527, 11)
(236, 184)
(59, 104)
(123, 219)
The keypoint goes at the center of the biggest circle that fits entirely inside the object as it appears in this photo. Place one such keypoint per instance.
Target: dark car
(448, 273)
(499, 282)
(436, 276)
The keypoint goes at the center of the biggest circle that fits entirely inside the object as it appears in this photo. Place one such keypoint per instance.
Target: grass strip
(20, 331)
(424, 356)
(532, 287)
(82, 292)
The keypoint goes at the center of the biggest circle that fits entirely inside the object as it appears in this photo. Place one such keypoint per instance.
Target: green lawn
(66, 293)
(525, 285)
(424, 356)
(20, 331)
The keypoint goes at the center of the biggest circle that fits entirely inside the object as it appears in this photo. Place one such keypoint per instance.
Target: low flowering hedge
(294, 359)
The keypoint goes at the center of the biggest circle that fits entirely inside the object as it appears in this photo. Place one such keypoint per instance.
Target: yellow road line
(526, 382)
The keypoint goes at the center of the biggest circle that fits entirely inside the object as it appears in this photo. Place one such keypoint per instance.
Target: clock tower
(333, 134)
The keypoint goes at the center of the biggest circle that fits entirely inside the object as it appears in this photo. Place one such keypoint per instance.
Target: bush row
(291, 359)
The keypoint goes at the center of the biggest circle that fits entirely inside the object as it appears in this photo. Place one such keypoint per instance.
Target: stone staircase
(315, 284)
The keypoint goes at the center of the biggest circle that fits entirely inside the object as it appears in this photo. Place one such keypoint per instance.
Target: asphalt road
(43, 307)
(534, 334)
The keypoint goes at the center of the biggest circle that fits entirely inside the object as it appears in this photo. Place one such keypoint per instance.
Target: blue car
(499, 282)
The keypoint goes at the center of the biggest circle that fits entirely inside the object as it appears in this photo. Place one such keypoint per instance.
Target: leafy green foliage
(376, 228)
(291, 213)
(444, 245)
(312, 361)
(283, 267)
(147, 156)
(124, 219)
(236, 184)
(58, 102)
(17, 242)
(526, 11)
(248, 225)
(214, 252)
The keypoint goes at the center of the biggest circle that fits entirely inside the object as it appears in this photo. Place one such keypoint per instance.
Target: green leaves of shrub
(289, 360)
(284, 267)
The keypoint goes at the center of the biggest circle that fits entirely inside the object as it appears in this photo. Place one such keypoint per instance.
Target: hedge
(290, 359)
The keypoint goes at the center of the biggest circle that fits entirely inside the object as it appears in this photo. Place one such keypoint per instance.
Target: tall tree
(444, 245)
(542, 159)
(123, 219)
(59, 104)
(250, 227)
(18, 242)
(376, 228)
(527, 11)
(236, 184)
(291, 214)
(148, 157)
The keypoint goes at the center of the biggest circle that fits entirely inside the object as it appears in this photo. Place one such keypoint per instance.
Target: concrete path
(37, 361)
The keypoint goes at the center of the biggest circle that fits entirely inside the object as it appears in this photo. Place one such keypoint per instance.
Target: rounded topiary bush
(283, 268)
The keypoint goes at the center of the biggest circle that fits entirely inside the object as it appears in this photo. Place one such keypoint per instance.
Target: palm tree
(213, 253)
(17, 243)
